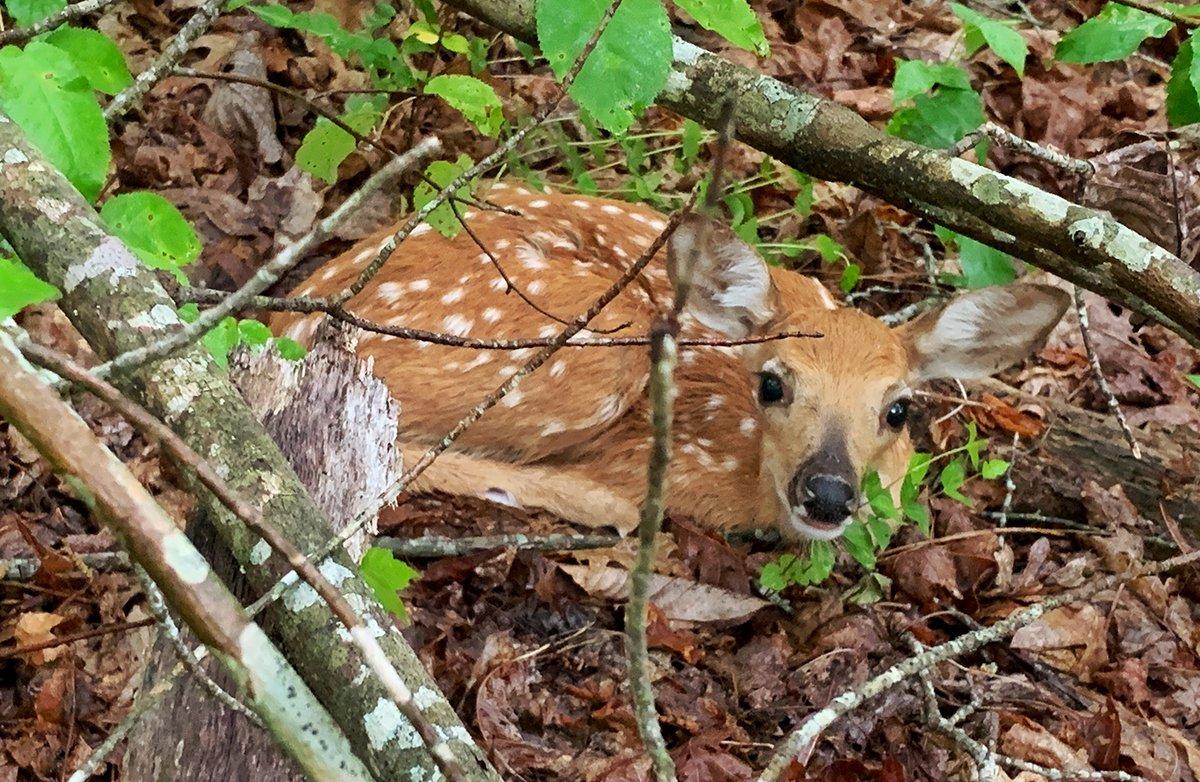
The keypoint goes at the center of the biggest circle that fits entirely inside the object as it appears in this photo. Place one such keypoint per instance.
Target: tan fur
(574, 437)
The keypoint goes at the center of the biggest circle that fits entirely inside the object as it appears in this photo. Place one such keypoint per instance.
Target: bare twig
(195, 27)
(83, 635)
(1098, 372)
(801, 742)
(190, 659)
(437, 547)
(273, 269)
(304, 304)
(68, 14)
(252, 517)
(1010, 140)
(663, 357)
(23, 569)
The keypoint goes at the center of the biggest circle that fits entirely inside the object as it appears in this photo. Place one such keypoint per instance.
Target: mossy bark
(117, 304)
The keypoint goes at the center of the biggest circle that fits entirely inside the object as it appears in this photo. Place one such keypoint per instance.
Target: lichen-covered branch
(118, 305)
(832, 142)
(271, 687)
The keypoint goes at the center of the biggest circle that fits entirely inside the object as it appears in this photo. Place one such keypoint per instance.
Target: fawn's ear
(729, 287)
(978, 333)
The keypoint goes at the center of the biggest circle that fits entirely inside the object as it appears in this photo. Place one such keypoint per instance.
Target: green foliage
(993, 468)
(983, 265)
(936, 104)
(326, 145)
(230, 332)
(789, 569)
(26, 12)
(952, 477)
(1113, 34)
(629, 65)
(734, 20)
(96, 57)
(476, 100)
(386, 576)
(43, 91)
(999, 36)
(19, 288)
(1195, 380)
(442, 173)
(1183, 89)
(154, 230)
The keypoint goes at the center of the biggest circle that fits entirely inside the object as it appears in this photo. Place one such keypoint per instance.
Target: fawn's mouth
(813, 528)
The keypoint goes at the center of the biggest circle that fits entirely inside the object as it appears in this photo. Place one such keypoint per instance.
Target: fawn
(777, 433)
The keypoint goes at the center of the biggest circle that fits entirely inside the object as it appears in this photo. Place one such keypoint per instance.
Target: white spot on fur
(419, 285)
(501, 497)
(558, 368)
(391, 292)
(530, 257)
(498, 284)
(512, 398)
(492, 315)
(553, 427)
(579, 203)
(747, 426)
(612, 209)
(537, 286)
(458, 325)
(452, 296)
(423, 228)
(539, 203)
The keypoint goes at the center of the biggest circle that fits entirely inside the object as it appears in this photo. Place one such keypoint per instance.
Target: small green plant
(872, 531)
(230, 332)
(387, 576)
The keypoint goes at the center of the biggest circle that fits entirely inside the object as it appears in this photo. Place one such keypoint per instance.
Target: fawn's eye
(897, 413)
(770, 388)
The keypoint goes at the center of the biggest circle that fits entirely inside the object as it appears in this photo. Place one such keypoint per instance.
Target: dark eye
(897, 414)
(770, 388)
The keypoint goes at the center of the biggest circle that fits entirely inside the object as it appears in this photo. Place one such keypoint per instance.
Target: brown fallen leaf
(679, 599)
(34, 627)
(1071, 638)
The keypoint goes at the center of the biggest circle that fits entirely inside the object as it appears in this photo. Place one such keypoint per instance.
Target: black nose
(828, 497)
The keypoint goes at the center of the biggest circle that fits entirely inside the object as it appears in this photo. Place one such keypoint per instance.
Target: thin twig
(195, 27)
(252, 517)
(663, 357)
(190, 659)
(273, 269)
(1010, 140)
(24, 569)
(95, 632)
(438, 547)
(310, 305)
(800, 743)
(1098, 372)
(1157, 10)
(68, 14)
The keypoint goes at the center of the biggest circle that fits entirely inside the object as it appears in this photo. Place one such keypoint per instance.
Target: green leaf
(274, 15)
(939, 120)
(689, 139)
(221, 339)
(189, 312)
(326, 145)
(872, 588)
(44, 93)
(879, 497)
(386, 576)
(858, 542)
(803, 203)
(1183, 89)
(881, 532)
(19, 288)
(154, 229)
(254, 333)
(629, 65)
(26, 12)
(983, 265)
(289, 348)
(850, 277)
(1006, 42)
(1195, 379)
(952, 477)
(442, 173)
(476, 100)
(1113, 34)
(915, 77)
(974, 445)
(993, 468)
(96, 57)
(821, 557)
(733, 20)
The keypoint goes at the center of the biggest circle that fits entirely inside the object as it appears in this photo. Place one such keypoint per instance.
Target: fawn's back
(779, 432)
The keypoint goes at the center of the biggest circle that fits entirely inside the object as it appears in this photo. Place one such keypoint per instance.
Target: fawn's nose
(828, 498)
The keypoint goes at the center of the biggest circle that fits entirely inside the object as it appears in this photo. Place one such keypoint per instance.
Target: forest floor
(528, 646)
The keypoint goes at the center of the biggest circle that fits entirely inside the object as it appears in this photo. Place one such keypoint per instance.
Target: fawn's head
(834, 407)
